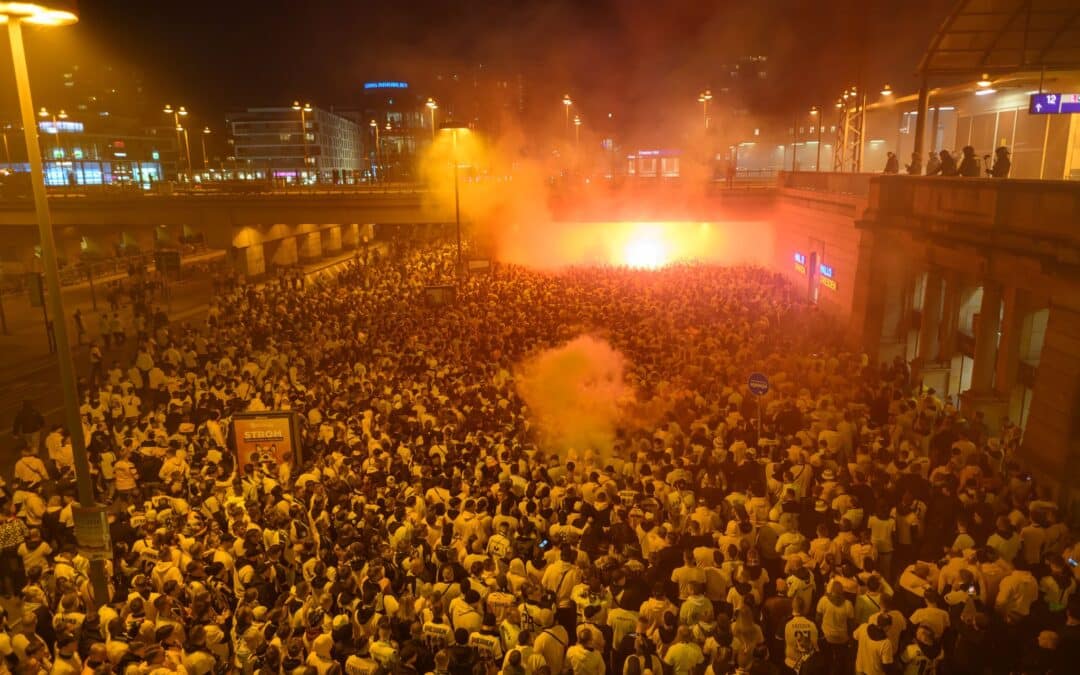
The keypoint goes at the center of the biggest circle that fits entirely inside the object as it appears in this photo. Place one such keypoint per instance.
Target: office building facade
(283, 144)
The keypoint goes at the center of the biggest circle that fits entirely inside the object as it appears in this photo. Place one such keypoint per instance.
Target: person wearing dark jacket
(892, 164)
(1002, 164)
(942, 165)
(28, 425)
(969, 165)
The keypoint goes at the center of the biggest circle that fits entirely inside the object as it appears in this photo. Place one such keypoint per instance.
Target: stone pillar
(350, 235)
(1052, 438)
(284, 252)
(331, 239)
(1008, 356)
(986, 343)
(250, 260)
(310, 245)
(981, 397)
(950, 318)
(930, 326)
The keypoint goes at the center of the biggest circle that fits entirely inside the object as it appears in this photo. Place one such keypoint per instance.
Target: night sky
(615, 54)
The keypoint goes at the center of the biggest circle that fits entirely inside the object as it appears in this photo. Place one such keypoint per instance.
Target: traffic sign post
(758, 384)
(92, 532)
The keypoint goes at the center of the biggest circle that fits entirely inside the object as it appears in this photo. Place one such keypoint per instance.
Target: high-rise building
(270, 143)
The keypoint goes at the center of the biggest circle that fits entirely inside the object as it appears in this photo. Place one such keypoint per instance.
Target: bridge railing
(857, 184)
(1038, 216)
(237, 188)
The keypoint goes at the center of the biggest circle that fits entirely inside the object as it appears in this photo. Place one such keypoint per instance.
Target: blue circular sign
(758, 384)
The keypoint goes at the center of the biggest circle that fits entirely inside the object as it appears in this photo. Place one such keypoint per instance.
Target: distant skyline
(630, 56)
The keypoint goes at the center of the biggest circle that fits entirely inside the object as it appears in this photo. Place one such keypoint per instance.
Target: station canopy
(988, 36)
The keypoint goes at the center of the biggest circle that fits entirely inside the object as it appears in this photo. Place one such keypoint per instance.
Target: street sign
(37, 289)
(92, 532)
(758, 384)
(1054, 104)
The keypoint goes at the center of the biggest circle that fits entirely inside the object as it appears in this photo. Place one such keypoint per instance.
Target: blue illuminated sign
(386, 85)
(800, 258)
(1054, 104)
(826, 271)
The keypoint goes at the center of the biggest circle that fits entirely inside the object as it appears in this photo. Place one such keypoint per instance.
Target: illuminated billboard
(266, 438)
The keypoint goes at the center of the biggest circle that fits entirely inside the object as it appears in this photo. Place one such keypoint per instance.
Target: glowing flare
(645, 250)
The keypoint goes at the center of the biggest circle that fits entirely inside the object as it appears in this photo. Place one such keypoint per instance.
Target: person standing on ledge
(969, 166)
(1002, 164)
(892, 164)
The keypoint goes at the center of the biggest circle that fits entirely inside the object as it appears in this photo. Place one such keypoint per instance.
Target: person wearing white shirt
(582, 658)
(875, 651)
(800, 636)
(1016, 592)
(932, 616)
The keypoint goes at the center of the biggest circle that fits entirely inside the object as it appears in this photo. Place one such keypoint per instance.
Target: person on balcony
(1002, 164)
(892, 164)
(969, 165)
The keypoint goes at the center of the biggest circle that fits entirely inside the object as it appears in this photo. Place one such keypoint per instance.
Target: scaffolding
(849, 132)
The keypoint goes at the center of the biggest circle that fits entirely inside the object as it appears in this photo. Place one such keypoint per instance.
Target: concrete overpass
(256, 229)
(219, 210)
(975, 282)
(261, 227)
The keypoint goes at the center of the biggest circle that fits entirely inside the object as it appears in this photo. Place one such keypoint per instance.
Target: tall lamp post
(205, 162)
(815, 113)
(375, 125)
(177, 113)
(55, 13)
(567, 102)
(432, 106)
(454, 128)
(303, 110)
(704, 98)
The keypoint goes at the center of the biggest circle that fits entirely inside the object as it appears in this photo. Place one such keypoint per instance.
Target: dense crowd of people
(429, 525)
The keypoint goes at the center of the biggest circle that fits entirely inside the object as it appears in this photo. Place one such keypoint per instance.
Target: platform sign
(758, 384)
(1054, 104)
(266, 439)
(828, 283)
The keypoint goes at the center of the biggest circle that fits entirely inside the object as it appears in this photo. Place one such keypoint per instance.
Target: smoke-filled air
(577, 394)
(511, 209)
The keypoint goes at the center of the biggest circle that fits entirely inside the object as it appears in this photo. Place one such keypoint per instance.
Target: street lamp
(182, 131)
(567, 102)
(177, 113)
(704, 98)
(432, 106)
(816, 114)
(375, 125)
(303, 110)
(453, 128)
(205, 132)
(577, 129)
(886, 90)
(54, 13)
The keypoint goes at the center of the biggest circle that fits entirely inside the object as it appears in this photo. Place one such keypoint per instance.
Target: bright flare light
(646, 249)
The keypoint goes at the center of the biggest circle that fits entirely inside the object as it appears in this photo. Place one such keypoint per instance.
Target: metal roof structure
(988, 36)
